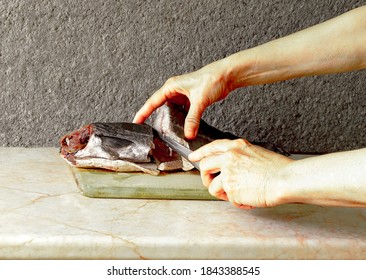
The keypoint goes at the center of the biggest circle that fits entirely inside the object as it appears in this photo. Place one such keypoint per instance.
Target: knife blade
(176, 147)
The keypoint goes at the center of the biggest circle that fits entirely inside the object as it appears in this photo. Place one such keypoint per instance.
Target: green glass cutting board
(109, 184)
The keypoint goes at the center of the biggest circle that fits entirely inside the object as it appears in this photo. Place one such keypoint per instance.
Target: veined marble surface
(44, 216)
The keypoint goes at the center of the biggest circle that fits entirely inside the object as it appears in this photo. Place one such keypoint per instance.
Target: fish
(130, 147)
(165, 158)
(122, 147)
(169, 120)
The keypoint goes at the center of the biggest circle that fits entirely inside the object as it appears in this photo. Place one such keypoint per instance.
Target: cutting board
(109, 184)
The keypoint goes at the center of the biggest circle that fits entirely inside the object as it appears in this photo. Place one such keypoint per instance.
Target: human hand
(195, 91)
(248, 173)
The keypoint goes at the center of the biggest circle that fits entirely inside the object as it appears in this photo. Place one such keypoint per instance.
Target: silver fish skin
(129, 147)
(169, 120)
(124, 147)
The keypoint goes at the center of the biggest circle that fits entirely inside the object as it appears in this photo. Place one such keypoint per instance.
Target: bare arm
(336, 45)
(251, 176)
(337, 179)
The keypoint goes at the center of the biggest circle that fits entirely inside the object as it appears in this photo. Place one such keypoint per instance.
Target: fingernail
(190, 133)
(136, 120)
(192, 156)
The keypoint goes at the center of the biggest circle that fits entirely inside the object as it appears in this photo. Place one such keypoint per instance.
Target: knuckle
(171, 80)
(192, 119)
(203, 165)
(242, 142)
(230, 156)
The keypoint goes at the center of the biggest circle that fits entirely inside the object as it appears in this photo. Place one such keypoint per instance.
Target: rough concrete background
(64, 64)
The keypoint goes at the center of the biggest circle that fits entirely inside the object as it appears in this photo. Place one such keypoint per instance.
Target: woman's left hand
(242, 173)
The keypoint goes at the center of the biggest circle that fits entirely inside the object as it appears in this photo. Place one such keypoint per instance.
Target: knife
(176, 147)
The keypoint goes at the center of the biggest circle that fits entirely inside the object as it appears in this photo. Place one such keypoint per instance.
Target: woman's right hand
(195, 91)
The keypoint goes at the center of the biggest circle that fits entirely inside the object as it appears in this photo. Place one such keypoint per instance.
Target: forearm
(337, 179)
(337, 45)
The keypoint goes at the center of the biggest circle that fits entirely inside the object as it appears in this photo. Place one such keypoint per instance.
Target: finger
(209, 167)
(215, 147)
(216, 189)
(242, 206)
(192, 121)
(154, 102)
(233, 199)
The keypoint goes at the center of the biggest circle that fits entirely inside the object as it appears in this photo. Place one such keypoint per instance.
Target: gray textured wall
(67, 63)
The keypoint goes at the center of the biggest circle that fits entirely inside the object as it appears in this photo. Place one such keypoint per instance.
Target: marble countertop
(44, 216)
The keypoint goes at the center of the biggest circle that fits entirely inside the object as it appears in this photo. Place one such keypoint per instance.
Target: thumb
(192, 121)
